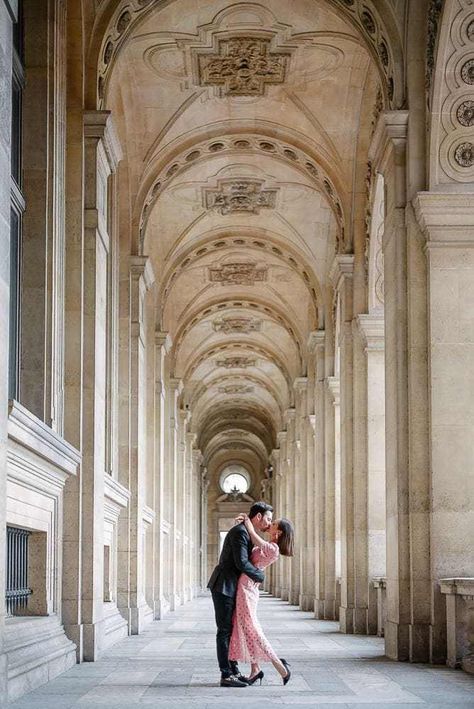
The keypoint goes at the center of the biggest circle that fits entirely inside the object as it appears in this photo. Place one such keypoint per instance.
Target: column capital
(316, 339)
(99, 125)
(176, 385)
(342, 267)
(290, 414)
(372, 330)
(334, 387)
(446, 219)
(163, 339)
(390, 131)
(281, 437)
(300, 384)
(140, 267)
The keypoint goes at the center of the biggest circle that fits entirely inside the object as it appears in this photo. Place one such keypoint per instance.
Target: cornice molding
(100, 126)
(391, 128)
(372, 330)
(316, 339)
(342, 266)
(446, 219)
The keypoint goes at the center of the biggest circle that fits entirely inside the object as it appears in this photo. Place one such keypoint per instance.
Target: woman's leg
(280, 667)
(254, 669)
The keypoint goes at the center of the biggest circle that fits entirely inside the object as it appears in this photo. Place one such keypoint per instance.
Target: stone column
(319, 492)
(407, 406)
(203, 529)
(371, 331)
(302, 496)
(162, 349)
(280, 500)
(341, 276)
(333, 496)
(141, 279)
(196, 499)
(447, 221)
(102, 154)
(6, 17)
(291, 584)
(176, 386)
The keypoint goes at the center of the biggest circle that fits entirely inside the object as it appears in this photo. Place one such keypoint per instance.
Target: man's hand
(244, 518)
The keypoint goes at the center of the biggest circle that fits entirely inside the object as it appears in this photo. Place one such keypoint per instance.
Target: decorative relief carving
(236, 362)
(465, 113)
(467, 72)
(434, 13)
(236, 389)
(237, 325)
(239, 196)
(464, 154)
(237, 274)
(243, 66)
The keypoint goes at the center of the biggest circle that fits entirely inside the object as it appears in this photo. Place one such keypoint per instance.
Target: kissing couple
(234, 588)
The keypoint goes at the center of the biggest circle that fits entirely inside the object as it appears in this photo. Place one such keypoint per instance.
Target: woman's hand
(246, 520)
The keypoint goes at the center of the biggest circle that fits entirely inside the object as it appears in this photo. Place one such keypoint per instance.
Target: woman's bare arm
(256, 538)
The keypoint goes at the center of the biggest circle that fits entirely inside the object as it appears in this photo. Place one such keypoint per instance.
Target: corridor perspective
(236, 264)
(172, 666)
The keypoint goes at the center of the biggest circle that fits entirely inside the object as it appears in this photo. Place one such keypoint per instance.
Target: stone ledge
(458, 586)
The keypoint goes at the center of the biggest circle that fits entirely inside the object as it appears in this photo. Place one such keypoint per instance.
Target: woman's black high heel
(252, 680)
(287, 668)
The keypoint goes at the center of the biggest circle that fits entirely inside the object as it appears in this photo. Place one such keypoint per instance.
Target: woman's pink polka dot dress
(248, 642)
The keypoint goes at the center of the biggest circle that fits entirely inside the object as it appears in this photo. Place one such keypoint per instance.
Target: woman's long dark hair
(286, 540)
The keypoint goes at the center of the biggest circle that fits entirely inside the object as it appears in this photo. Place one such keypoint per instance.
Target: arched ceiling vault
(240, 126)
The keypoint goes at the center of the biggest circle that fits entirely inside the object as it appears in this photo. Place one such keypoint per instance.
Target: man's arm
(240, 552)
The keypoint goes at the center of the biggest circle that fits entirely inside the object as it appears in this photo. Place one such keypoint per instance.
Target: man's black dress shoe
(232, 681)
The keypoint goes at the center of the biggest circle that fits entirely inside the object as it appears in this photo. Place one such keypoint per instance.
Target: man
(233, 561)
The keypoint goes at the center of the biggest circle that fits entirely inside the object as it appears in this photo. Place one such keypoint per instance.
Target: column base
(397, 643)
(346, 620)
(175, 601)
(318, 605)
(284, 594)
(74, 633)
(294, 598)
(360, 621)
(139, 618)
(277, 592)
(329, 612)
(92, 634)
(306, 602)
(161, 608)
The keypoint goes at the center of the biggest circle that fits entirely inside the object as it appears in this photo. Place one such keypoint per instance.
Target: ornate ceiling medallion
(237, 274)
(230, 326)
(242, 66)
(236, 362)
(243, 195)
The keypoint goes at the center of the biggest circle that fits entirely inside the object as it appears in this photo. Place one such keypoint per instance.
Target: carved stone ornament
(237, 274)
(243, 66)
(236, 389)
(236, 362)
(465, 113)
(467, 72)
(464, 154)
(233, 325)
(240, 196)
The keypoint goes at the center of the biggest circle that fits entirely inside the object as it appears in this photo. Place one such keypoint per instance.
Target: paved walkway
(172, 666)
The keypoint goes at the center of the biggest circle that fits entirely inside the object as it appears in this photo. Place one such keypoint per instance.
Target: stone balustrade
(459, 594)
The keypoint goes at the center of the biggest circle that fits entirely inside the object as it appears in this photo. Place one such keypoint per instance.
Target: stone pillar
(203, 529)
(176, 386)
(6, 17)
(407, 405)
(196, 542)
(102, 154)
(371, 331)
(280, 511)
(319, 494)
(332, 462)
(162, 349)
(303, 488)
(342, 277)
(141, 279)
(447, 221)
(292, 451)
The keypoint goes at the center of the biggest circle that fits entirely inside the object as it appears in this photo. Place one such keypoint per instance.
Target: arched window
(234, 477)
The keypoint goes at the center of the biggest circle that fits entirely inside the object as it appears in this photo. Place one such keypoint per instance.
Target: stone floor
(172, 665)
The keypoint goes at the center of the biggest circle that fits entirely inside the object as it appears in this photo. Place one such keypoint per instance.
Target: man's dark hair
(259, 508)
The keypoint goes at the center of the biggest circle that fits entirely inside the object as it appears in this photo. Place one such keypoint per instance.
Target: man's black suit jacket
(233, 561)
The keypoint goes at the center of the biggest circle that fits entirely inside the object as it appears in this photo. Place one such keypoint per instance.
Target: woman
(248, 642)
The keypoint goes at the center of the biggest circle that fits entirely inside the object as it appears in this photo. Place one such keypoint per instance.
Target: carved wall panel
(236, 362)
(242, 66)
(237, 325)
(236, 389)
(237, 274)
(243, 195)
(452, 131)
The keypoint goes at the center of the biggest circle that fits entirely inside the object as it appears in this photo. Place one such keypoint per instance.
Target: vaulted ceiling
(241, 124)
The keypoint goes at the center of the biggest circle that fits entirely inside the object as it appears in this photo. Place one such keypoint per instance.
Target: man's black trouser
(224, 609)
